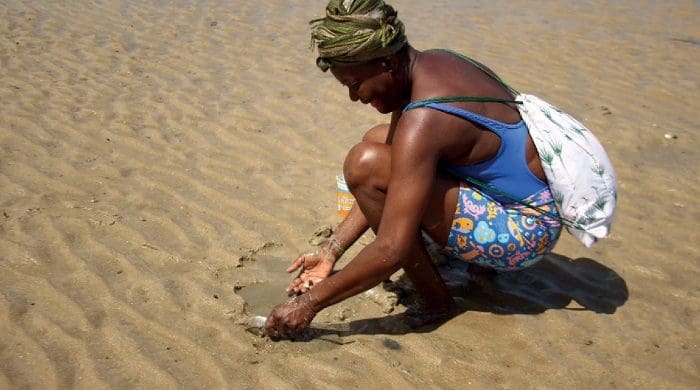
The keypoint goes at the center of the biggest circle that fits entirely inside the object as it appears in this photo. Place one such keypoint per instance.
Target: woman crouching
(458, 171)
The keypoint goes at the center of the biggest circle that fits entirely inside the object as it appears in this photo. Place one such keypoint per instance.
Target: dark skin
(393, 174)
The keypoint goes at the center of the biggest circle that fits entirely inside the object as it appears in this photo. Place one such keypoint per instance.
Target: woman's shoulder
(447, 58)
(437, 53)
(440, 73)
(432, 60)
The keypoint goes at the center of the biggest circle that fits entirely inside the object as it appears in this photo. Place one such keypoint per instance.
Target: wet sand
(160, 164)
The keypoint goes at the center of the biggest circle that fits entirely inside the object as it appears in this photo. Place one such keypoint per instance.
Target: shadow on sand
(553, 283)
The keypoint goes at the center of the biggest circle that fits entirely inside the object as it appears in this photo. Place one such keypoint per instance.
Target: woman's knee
(377, 134)
(365, 162)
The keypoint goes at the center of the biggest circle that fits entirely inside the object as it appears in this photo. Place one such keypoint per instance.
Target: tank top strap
(491, 124)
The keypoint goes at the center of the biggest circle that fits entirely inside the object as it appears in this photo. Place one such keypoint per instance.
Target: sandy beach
(161, 163)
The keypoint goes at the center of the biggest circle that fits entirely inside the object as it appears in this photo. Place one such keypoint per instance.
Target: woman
(417, 172)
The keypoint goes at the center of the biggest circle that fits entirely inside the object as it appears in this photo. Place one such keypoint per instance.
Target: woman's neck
(407, 59)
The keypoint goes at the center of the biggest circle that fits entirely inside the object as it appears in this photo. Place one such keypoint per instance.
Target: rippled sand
(161, 163)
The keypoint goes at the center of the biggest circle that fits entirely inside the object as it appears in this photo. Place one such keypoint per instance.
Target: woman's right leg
(377, 134)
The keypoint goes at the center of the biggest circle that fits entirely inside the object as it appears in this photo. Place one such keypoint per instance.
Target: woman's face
(371, 83)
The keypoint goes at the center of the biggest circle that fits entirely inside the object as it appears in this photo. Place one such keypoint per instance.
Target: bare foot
(420, 316)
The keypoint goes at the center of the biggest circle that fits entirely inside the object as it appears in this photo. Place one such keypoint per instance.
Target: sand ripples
(151, 153)
(119, 195)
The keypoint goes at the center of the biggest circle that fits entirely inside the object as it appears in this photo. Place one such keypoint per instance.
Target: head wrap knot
(356, 31)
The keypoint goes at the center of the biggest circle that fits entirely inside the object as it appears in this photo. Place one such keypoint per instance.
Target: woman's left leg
(367, 171)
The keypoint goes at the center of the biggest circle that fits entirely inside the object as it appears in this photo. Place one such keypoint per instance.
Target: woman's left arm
(413, 173)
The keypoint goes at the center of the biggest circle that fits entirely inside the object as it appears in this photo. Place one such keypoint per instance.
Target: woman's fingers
(294, 285)
(299, 285)
(297, 263)
(305, 263)
(287, 319)
(276, 326)
(301, 288)
(271, 325)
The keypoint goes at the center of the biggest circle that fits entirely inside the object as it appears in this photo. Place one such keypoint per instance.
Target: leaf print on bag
(546, 113)
(556, 149)
(600, 203)
(547, 158)
(578, 130)
(598, 169)
(587, 217)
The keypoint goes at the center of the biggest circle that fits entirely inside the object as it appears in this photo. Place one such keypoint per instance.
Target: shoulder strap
(448, 99)
(481, 67)
(478, 99)
(483, 99)
(564, 221)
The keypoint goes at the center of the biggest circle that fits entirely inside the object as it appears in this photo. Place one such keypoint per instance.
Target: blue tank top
(507, 170)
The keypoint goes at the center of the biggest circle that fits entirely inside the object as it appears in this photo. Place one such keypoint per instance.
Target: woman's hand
(315, 266)
(290, 318)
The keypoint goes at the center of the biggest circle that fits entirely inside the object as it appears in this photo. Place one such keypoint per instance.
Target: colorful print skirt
(502, 237)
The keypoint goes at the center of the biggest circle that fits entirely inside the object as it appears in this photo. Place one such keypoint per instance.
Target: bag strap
(483, 69)
(448, 99)
(484, 99)
(564, 221)
(478, 99)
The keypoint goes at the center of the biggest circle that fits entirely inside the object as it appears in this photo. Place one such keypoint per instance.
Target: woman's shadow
(553, 283)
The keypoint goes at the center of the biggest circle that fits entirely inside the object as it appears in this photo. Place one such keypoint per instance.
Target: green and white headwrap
(356, 31)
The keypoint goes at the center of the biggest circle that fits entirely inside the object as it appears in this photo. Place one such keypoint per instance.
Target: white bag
(579, 172)
(580, 175)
